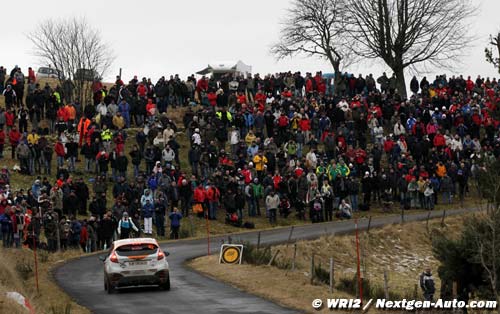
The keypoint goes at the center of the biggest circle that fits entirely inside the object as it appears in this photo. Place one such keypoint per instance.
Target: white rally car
(135, 262)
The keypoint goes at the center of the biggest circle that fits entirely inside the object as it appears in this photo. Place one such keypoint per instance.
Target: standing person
(199, 197)
(427, 285)
(353, 189)
(160, 210)
(107, 227)
(23, 119)
(71, 154)
(185, 193)
(213, 196)
(147, 212)
(258, 193)
(84, 236)
(272, 203)
(446, 188)
(2, 141)
(125, 226)
(47, 158)
(7, 230)
(366, 187)
(60, 153)
(14, 138)
(175, 223)
(10, 96)
(327, 194)
(136, 156)
(23, 154)
(429, 195)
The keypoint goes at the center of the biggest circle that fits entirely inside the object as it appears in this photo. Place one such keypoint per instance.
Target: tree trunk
(336, 81)
(336, 69)
(400, 82)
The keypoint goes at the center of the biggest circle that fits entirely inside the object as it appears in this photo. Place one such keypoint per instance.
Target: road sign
(231, 254)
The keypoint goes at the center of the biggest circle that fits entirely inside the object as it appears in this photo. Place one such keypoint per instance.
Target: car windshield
(137, 249)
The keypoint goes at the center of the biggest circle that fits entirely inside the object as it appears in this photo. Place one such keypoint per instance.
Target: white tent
(224, 67)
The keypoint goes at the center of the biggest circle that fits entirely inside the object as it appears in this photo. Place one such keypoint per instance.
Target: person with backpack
(125, 226)
(427, 285)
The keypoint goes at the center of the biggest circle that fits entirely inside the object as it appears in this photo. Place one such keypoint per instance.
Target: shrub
(322, 275)
(24, 269)
(60, 309)
(43, 256)
(371, 291)
(254, 256)
(184, 233)
(284, 263)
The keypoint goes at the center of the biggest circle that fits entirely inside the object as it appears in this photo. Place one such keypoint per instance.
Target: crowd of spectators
(284, 144)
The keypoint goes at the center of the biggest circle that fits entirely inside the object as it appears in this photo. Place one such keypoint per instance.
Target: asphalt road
(191, 292)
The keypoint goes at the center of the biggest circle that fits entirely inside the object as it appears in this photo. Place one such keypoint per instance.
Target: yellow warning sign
(231, 253)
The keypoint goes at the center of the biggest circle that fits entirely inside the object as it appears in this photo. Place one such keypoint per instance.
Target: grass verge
(18, 274)
(403, 251)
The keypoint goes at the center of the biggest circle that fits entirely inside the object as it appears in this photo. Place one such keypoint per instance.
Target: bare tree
(75, 49)
(315, 28)
(404, 33)
(490, 56)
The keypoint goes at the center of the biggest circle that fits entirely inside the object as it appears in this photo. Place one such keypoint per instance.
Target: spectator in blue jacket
(7, 229)
(147, 213)
(175, 223)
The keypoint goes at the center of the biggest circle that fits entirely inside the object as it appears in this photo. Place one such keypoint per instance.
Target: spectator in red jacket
(241, 98)
(14, 138)
(202, 85)
(309, 86)
(63, 113)
(439, 140)
(388, 145)
(199, 196)
(212, 98)
(31, 75)
(286, 93)
(305, 126)
(60, 153)
(9, 119)
(260, 98)
(142, 90)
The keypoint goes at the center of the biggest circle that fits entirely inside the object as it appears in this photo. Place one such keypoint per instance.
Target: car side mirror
(166, 253)
(102, 258)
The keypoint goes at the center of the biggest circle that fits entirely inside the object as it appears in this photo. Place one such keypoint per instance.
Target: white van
(46, 72)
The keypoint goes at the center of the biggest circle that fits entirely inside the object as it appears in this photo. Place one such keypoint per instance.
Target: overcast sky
(154, 38)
